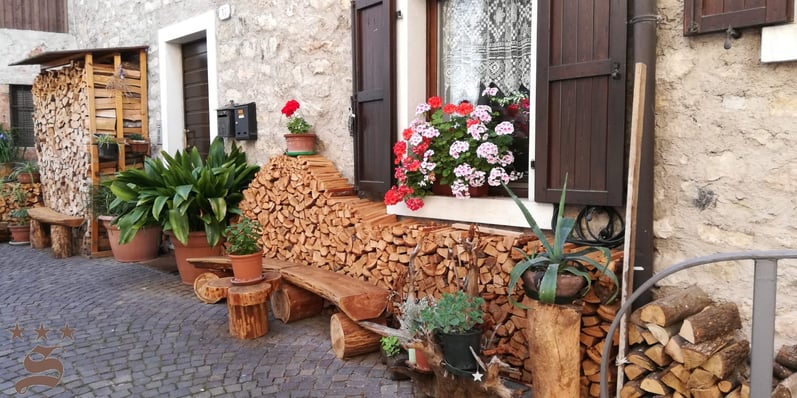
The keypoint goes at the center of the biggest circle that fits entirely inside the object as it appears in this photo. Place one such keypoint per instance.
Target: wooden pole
(635, 151)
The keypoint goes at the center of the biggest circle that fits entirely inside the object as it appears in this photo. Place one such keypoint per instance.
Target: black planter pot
(455, 348)
(108, 152)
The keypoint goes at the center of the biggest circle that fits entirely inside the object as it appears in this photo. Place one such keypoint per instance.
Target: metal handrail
(764, 292)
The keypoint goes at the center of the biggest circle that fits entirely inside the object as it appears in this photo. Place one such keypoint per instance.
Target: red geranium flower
(435, 102)
(449, 109)
(290, 107)
(465, 108)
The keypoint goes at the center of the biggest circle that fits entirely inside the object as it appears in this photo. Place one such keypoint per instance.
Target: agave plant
(183, 192)
(554, 260)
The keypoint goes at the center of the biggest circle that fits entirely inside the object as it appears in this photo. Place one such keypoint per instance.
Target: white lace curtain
(484, 42)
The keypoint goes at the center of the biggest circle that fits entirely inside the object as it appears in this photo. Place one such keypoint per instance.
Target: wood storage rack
(78, 95)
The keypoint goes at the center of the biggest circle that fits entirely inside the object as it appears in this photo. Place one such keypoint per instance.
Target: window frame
(14, 110)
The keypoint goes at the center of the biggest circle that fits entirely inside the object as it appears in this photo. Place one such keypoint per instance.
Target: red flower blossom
(435, 102)
(472, 122)
(407, 133)
(449, 109)
(465, 108)
(399, 149)
(414, 203)
(512, 109)
(524, 103)
(290, 107)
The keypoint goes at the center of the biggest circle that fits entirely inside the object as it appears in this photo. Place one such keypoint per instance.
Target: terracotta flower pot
(143, 247)
(445, 190)
(300, 144)
(6, 169)
(247, 267)
(28, 178)
(568, 286)
(20, 233)
(197, 246)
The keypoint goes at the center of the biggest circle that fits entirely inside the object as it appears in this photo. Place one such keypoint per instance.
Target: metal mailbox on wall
(238, 121)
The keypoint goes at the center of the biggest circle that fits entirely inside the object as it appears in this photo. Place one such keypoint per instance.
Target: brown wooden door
(195, 95)
(374, 124)
(580, 126)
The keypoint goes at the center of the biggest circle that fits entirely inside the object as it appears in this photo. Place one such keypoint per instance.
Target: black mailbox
(245, 117)
(226, 122)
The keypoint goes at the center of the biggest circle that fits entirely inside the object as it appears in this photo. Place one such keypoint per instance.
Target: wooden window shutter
(39, 15)
(373, 127)
(704, 16)
(580, 101)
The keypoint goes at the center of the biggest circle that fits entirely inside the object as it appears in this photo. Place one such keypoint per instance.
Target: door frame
(170, 40)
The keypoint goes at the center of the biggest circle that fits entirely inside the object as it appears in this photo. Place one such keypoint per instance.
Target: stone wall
(725, 160)
(269, 52)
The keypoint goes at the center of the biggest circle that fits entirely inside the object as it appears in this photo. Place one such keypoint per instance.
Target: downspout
(644, 23)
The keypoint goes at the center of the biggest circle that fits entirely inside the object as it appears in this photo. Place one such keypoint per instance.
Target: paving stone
(137, 331)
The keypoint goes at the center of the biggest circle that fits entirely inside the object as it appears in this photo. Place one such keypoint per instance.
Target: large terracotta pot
(568, 286)
(143, 247)
(197, 246)
(247, 268)
(28, 178)
(300, 144)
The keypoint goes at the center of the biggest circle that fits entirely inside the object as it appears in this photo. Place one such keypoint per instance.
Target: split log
(727, 359)
(663, 333)
(350, 339)
(695, 354)
(673, 376)
(554, 333)
(634, 371)
(632, 389)
(216, 289)
(656, 354)
(786, 388)
(291, 303)
(652, 383)
(39, 234)
(200, 284)
(672, 309)
(637, 357)
(701, 379)
(787, 356)
(708, 392)
(780, 371)
(742, 391)
(716, 320)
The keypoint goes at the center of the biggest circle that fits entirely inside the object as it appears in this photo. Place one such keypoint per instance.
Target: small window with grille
(22, 114)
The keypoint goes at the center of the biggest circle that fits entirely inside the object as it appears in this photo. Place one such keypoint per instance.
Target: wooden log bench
(51, 228)
(301, 294)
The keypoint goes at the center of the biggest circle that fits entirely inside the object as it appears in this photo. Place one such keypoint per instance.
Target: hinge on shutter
(532, 164)
(352, 117)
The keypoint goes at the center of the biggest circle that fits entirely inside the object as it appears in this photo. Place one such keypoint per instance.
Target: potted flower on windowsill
(459, 149)
(300, 141)
(244, 251)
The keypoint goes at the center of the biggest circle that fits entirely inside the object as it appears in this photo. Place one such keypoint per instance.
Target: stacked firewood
(310, 214)
(60, 121)
(686, 345)
(8, 199)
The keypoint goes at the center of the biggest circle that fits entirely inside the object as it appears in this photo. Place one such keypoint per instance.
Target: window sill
(495, 211)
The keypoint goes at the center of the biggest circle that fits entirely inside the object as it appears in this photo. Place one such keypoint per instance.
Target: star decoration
(16, 331)
(41, 332)
(66, 331)
(477, 376)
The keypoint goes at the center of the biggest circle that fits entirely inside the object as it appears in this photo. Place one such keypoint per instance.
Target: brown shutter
(580, 98)
(703, 16)
(374, 123)
(40, 15)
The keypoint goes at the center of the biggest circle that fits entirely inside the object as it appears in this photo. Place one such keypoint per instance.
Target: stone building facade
(725, 164)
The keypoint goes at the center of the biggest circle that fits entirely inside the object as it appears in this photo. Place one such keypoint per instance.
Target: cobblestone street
(123, 330)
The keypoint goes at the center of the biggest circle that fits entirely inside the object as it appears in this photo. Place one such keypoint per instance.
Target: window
(22, 114)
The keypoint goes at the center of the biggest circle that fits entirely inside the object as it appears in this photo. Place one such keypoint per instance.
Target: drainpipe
(644, 23)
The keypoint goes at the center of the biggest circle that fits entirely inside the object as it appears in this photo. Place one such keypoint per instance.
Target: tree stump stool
(291, 303)
(247, 310)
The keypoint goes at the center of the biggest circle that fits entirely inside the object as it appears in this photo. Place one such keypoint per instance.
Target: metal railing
(764, 292)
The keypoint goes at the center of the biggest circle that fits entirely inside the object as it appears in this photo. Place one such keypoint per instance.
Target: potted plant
(451, 149)
(556, 276)
(244, 251)
(300, 141)
(26, 172)
(135, 143)
(19, 226)
(107, 147)
(192, 199)
(410, 321)
(9, 152)
(393, 355)
(453, 320)
(145, 243)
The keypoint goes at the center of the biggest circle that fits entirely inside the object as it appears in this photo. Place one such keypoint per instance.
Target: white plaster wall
(17, 45)
(726, 164)
(268, 52)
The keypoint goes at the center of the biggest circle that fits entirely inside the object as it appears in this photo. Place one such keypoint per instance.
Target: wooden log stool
(50, 228)
(349, 339)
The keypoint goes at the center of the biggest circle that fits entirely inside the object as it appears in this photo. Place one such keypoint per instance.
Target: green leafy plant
(20, 216)
(554, 260)
(296, 122)
(243, 237)
(135, 137)
(106, 140)
(390, 345)
(185, 193)
(29, 167)
(455, 312)
(9, 150)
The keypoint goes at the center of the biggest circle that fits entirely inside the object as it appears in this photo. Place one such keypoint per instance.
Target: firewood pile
(311, 214)
(8, 202)
(686, 345)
